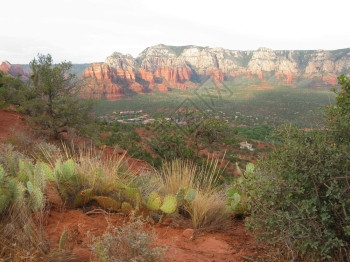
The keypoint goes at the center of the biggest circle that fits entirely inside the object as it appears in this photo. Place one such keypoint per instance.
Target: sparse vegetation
(296, 198)
(126, 243)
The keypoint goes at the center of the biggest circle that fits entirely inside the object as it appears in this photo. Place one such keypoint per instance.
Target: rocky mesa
(163, 68)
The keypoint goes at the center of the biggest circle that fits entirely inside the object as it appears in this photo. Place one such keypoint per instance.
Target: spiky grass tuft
(205, 195)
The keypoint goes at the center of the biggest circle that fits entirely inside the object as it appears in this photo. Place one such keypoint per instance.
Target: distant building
(148, 121)
(245, 144)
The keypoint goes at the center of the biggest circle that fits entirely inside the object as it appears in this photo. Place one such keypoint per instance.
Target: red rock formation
(127, 75)
(163, 67)
(216, 73)
(174, 75)
(330, 79)
(5, 67)
(145, 75)
(100, 82)
(136, 87)
(113, 92)
(287, 76)
(14, 70)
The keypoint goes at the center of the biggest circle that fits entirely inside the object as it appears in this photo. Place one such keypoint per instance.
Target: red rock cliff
(164, 67)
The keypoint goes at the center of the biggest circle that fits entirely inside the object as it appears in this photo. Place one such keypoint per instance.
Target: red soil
(235, 244)
(10, 122)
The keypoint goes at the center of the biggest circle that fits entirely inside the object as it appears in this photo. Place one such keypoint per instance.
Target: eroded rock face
(164, 67)
(14, 70)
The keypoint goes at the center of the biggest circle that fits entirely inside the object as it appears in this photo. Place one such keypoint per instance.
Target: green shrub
(300, 196)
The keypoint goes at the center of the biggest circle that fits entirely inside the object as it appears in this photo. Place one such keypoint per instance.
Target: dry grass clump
(93, 169)
(21, 238)
(101, 173)
(208, 209)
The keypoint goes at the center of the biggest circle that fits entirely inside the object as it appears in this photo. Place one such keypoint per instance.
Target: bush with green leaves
(300, 196)
(11, 90)
(338, 115)
(53, 102)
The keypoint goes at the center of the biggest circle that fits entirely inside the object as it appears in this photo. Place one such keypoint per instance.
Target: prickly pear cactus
(47, 170)
(39, 179)
(83, 197)
(119, 185)
(133, 193)
(126, 208)
(169, 205)
(68, 169)
(5, 199)
(19, 191)
(26, 171)
(154, 201)
(36, 198)
(190, 195)
(180, 195)
(107, 203)
(238, 201)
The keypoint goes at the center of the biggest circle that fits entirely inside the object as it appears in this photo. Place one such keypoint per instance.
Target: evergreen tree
(52, 101)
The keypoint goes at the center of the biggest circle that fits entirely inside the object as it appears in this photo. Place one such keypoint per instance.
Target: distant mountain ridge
(163, 67)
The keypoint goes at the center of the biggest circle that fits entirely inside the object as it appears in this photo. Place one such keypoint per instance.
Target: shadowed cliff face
(164, 67)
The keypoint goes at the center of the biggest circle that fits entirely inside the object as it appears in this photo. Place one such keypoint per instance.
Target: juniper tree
(52, 101)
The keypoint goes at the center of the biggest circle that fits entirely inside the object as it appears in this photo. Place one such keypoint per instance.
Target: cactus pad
(154, 201)
(191, 194)
(4, 199)
(133, 193)
(68, 168)
(47, 171)
(169, 204)
(83, 197)
(107, 203)
(180, 195)
(126, 208)
(36, 199)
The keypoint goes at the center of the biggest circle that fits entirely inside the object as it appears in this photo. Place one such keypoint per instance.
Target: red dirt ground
(234, 244)
(10, 121)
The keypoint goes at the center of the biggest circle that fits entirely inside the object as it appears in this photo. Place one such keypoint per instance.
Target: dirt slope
(235, 244)
(9, 122)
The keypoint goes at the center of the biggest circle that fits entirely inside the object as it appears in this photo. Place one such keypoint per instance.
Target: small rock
(188, 233)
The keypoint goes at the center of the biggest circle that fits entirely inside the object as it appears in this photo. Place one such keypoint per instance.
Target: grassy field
(245, 104)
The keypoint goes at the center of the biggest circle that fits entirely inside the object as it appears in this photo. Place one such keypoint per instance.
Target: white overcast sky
(84, 31)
